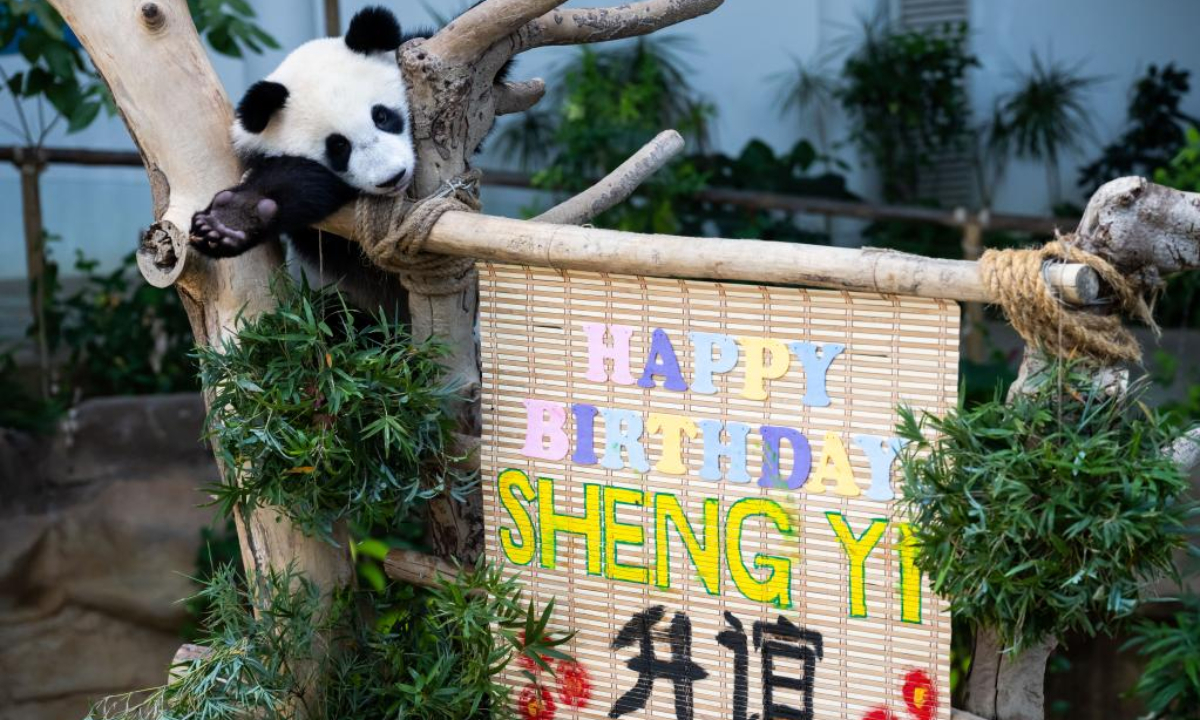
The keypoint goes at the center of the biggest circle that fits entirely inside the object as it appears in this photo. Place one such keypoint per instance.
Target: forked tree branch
(469, 35)
(618, 184)
(515, 97)
(576, 26)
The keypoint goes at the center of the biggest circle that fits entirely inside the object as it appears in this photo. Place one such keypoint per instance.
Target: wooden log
(582, 248)
(149, 54)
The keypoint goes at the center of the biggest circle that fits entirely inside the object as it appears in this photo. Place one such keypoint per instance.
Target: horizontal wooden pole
(581, 248)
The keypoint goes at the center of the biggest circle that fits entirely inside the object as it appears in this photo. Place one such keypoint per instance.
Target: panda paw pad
(233, 223)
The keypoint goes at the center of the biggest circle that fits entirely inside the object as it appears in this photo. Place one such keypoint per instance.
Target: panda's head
(339, 101)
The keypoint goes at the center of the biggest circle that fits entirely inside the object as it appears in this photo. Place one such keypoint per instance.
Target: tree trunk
(1004, 686)
(150, 56)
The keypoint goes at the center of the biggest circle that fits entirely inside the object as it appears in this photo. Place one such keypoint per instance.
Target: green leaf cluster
(613, 102)
(1047, 515)
(427, 655)
(229, 27)
(906, 97)
(56, 69)
(1170, 682)
(328, 414)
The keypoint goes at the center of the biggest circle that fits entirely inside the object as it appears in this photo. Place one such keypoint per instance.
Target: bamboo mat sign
(701, 475)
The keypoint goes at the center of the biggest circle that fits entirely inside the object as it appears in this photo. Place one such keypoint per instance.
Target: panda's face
(341, 102)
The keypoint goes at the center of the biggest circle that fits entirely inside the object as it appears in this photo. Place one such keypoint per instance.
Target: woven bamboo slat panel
(674, 634)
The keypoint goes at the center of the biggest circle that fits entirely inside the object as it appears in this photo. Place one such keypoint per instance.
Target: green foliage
(1181, 296)
(429, 655)
(1046, 515)
(57, 69)
(219, 552)
(905, 94)
(328, 415)
(1155, 131)
(1170, 682)
(115, 335)
(613, 102)
(759, 168)
(1045, 116)
(123, 337)
(229, 27)
(809, 92)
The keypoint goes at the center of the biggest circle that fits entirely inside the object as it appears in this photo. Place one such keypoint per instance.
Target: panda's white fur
(332, 89)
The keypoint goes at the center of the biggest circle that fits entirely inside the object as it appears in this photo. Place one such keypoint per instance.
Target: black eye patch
(387, 119)
(337, 151)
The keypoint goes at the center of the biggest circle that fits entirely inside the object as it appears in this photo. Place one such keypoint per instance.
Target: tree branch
(1185, 451)
(618, 184)
(417, 568)
(515, 97)
(1147, 231)
(577, 26)
(472, 33)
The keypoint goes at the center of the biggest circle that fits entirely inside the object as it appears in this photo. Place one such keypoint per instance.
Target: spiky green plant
(328, 414)
(1170, 682)
(1046, 515)
(429, 655)
(1046, 115)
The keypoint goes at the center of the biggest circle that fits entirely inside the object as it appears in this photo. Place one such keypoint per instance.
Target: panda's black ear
(374, 29)
(260, 103)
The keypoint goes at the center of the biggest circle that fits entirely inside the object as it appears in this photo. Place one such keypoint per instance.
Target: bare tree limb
(1147, 231)
(515, 97)
(618, 184)
(576, 26)
(472, 33)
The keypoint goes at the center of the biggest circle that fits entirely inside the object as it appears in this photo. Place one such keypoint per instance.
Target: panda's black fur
(302, 165)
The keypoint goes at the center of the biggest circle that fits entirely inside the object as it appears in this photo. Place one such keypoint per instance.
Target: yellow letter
(705, 556)
(834, 465)
(619, 533)
(857, 549)
(672, 428)
(758, 368)
(509, 483)
(777, 588)
(910, 576)
(589, 525)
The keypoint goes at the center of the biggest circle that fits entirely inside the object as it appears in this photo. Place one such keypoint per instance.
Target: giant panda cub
(329, 124)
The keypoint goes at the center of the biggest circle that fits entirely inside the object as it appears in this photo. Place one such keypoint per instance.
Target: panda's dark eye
(387, 119)
(337, 151)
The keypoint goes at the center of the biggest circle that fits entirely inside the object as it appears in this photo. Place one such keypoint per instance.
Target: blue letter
(801, 466)
(815, 368)
(706, 366)
(735, 450)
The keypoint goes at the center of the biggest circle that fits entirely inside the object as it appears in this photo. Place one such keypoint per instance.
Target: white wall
(734, 51)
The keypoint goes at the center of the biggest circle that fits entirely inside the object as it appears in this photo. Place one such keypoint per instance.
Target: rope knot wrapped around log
(1016, 279)
(393, 235)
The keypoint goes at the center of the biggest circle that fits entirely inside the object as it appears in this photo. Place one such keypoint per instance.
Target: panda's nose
(394, 181)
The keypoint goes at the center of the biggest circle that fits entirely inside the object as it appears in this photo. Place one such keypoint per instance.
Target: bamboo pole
(30, 166)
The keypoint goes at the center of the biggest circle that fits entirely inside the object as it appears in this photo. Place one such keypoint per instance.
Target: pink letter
(618, 352)
(544, 421)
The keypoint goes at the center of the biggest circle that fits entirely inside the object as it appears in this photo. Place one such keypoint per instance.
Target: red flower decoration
(920, 695)
(879, 714)
(574, 684)
(535, 703)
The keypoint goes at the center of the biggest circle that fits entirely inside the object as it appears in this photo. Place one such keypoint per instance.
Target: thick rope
(1015, 279)
(393, 235)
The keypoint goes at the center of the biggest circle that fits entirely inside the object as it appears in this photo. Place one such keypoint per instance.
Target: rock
(99, 532)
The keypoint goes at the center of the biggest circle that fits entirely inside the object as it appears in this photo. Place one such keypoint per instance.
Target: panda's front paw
(233, 223)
